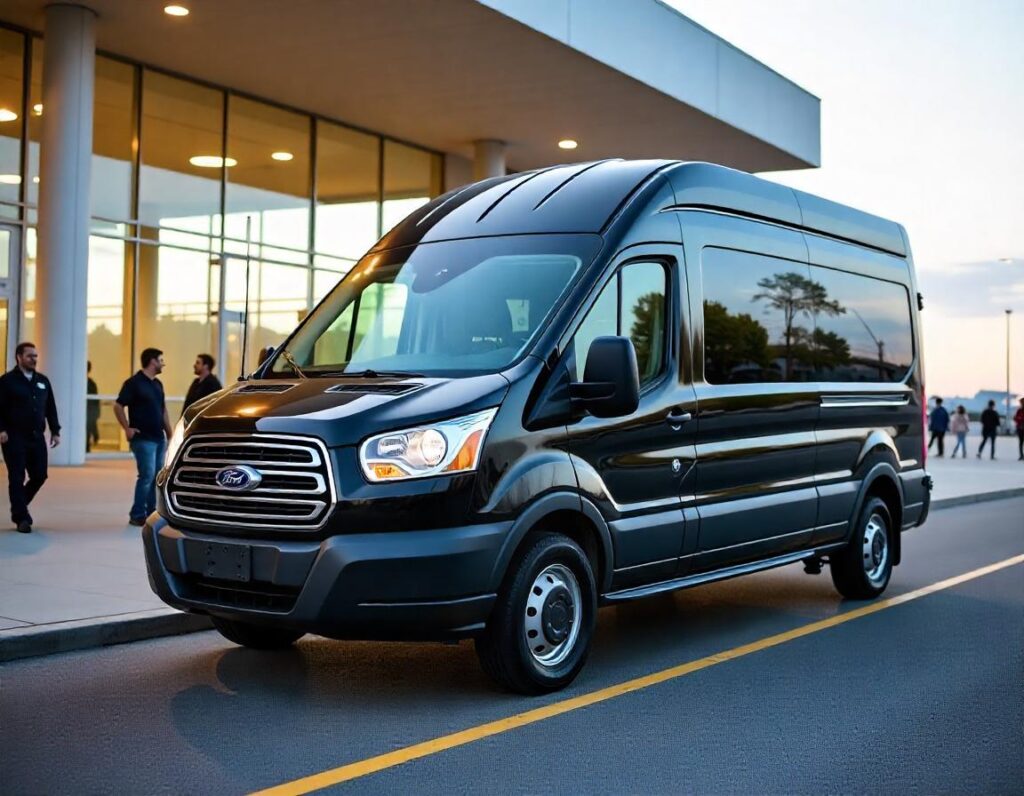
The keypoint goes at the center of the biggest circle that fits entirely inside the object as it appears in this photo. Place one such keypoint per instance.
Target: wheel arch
(882, 481)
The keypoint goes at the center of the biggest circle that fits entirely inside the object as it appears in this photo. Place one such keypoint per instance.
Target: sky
(922, 121)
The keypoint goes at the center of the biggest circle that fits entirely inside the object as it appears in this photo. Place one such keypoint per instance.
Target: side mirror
(264, 355)
(611, 381)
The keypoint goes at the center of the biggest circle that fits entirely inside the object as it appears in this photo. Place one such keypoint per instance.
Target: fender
(877, 471)
(542, 507)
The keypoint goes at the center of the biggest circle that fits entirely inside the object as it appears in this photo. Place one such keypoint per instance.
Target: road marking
(372, 765)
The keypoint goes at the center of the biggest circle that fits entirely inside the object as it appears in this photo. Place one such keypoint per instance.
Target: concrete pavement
(79, 579)
(922, 696)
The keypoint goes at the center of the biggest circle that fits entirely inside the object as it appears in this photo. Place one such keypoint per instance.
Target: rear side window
(633, 305)
(871, 338)
(772, 320)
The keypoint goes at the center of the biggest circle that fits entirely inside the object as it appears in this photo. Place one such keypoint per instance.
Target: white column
(65, 153)
(488, 159)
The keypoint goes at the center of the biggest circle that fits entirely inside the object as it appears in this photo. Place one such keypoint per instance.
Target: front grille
(254, 595)
(294, 489)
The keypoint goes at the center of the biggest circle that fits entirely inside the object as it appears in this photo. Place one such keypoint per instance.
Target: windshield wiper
(369, 373)
(287, 356)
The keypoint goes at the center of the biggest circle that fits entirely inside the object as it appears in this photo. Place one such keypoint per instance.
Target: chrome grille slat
(296, 491)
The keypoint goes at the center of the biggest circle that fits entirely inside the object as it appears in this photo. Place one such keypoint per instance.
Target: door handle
(676, 419)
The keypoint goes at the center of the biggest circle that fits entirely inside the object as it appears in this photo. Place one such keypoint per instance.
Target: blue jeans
(961, 443)
(149, 458)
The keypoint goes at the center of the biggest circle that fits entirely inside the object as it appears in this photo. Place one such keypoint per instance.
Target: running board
(719, 574)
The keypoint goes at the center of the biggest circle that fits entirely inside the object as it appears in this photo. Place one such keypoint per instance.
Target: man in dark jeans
(26, 407)
(204, 384)
(147, 428)
(989, 428)
(938, 424)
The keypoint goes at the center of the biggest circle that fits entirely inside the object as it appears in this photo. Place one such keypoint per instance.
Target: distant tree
(731, 341)
(795, 295)
(648, 332)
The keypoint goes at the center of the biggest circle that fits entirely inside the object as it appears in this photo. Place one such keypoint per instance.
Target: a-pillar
(488, 159)
(61, 278)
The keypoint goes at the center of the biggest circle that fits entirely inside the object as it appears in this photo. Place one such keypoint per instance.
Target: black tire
(862, 570)
(566, 618)
(259, 637)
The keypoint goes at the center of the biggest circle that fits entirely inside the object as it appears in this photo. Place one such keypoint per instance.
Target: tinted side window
(759, 318)
(632, 304)
(870, 338)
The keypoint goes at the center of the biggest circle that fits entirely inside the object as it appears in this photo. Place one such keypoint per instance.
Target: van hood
(343, 411)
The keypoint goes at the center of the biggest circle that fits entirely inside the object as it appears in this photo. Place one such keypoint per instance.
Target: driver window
(632, 304)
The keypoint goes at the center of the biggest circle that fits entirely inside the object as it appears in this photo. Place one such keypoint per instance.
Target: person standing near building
(92, 409)
(938, 424)
(147, 427)
(26, 408)
(989, 428)
(1018, 419)
(205, 383)
(960, 424)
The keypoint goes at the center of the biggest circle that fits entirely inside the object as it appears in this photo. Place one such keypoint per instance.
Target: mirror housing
(611, 381)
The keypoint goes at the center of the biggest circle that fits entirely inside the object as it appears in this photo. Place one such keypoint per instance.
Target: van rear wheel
(862, 570)
(538, 636)
(257, 637)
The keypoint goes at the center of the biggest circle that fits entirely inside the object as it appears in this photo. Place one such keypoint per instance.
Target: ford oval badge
(239, 478)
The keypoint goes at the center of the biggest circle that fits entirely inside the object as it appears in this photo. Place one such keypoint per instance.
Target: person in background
(205, 383)
(938, 424)
(26, 408)
(92, 410)
(989, 428)
(142, 397)
(960, 424)
(1018, 419)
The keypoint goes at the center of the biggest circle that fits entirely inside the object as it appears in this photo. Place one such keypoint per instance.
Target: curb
(39, 640)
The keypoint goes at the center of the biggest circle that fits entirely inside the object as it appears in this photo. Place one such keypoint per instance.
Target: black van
(552, 391)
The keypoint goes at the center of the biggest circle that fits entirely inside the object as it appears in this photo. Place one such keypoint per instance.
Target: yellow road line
(372, 765)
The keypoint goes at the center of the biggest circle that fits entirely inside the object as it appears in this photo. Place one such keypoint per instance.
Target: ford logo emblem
(239, 478)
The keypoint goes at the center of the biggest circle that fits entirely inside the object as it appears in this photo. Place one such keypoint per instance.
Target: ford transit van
(548, 392)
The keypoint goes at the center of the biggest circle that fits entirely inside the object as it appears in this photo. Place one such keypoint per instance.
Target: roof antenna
(245, 314)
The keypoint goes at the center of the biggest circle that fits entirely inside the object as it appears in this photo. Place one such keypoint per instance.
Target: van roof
(587, 197)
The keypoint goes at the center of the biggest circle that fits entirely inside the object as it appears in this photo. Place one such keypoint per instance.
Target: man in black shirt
(147, 428)
(205, 383)
(989, 428)
(26, 407)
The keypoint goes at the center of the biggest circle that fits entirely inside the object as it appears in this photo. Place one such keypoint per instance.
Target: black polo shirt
(200, 389)
(143, 397)
(26, 404)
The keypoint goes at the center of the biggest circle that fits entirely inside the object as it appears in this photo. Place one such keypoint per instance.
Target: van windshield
(446, 308)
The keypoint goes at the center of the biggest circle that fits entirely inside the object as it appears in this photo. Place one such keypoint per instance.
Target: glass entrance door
(10, 259)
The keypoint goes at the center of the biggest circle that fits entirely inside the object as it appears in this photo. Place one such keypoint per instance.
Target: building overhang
(625, 79)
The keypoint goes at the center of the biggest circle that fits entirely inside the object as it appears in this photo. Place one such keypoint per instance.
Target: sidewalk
(79, 580)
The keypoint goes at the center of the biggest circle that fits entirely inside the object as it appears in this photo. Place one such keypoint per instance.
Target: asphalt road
(921, 697)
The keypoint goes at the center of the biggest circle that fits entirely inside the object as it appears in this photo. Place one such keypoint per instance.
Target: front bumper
(407, 585)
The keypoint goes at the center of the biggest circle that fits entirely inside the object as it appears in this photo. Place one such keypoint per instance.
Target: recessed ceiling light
(567, 143)
(212, 161)
(7, 115)
(10, 179)
(35, 180)
(37, 109)
(282, 155)
(176, 11)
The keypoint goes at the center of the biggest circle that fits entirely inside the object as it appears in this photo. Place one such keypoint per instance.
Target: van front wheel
(862, 570)
(538, 636)
(258, 637)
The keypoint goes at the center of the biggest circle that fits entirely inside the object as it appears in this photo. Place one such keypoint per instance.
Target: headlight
(452, 446)
(174, 443)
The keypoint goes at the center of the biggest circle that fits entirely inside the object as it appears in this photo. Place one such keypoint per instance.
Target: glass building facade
(183, 175)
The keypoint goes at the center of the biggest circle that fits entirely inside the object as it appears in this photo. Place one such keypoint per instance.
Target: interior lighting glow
(7, 115)
(176, 11)
(10, 179)
(37, 109)
(282, 156)
(212, 161)
(567, 143)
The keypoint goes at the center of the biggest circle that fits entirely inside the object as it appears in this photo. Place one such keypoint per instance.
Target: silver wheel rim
(875, 551)
(551, 623)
